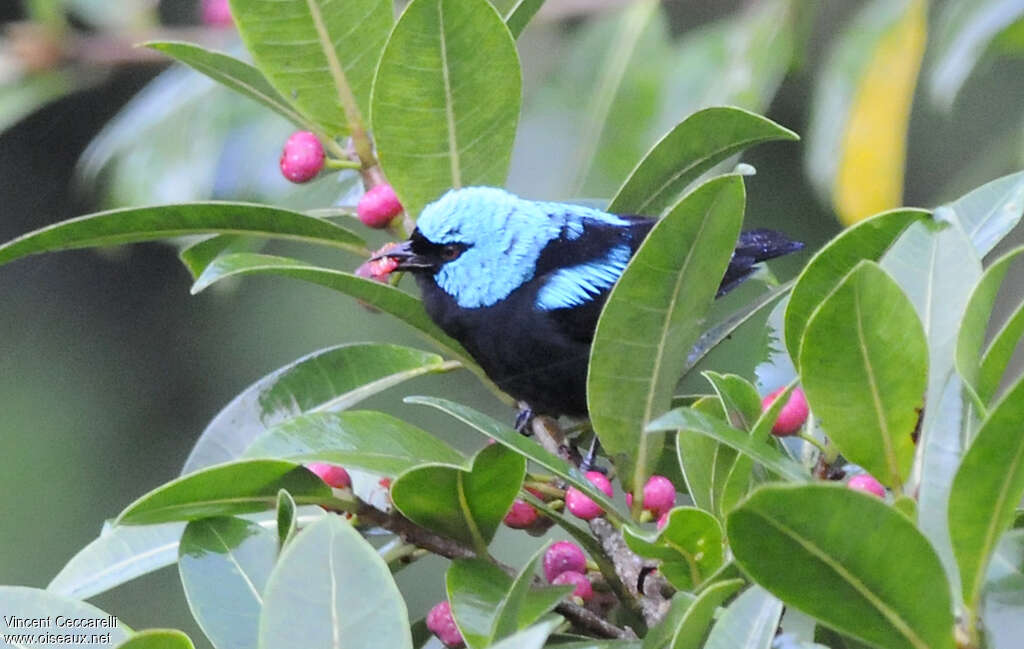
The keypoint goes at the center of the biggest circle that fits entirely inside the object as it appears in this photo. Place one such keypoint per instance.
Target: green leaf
(520, 607)
(361, 439)
(697, 456)
(331, 584)
(659, 635)
(690, 421)
(334, 378)
(528, 448)
(1004, 592)
(450, 120)
(988, 213)
(199, 255)
(732, 471)
(693, 627)
(465, 504)
(964, 31)
(224, 490)
(534, 637)
(287, 524)
(868, 239)
(158, 639)
(488, 605)
(883, 584)
(986, 490)
(689, 547)
(694, 146)
(224, 564)
(867, 390)
(653, 317)
(120, 554)
(518, 17)
(23, 602)
(749, 622)
(983, 367)
(319, 54)
(235, 74)
(134, 224)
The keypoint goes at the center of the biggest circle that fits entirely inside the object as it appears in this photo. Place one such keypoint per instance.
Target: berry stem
(807, 437)
(545, 488)
(335, 163)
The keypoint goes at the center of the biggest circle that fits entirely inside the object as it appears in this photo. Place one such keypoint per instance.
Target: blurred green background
(110, 369)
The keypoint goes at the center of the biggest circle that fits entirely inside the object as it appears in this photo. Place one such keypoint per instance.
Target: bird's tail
(752, 247)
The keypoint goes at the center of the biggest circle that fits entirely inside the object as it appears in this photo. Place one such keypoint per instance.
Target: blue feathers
(504, 238)
(577, 285)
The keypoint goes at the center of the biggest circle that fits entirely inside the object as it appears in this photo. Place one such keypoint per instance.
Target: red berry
(659, 495)
(378, 206)
(584, 590)
(663, 520)
(302, 158)
(563, 556)
(580, 505)
(442, 624)
(520, 516)
(865, 482)
(335, 476)
(793, 414)
(217, 13)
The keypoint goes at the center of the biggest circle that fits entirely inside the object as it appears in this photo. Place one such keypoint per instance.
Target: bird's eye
(450, 252)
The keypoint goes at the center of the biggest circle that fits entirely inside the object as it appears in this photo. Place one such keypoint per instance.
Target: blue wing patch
(577, 285)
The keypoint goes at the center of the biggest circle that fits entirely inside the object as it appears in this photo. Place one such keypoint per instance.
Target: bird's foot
(523, 419)
(589, 462)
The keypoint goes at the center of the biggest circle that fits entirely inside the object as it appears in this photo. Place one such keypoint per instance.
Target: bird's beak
(406, 258)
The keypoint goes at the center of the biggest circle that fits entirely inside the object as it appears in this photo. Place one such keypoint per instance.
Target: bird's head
(478, 243)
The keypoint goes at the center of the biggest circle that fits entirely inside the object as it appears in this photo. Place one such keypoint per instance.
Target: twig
(653, 603)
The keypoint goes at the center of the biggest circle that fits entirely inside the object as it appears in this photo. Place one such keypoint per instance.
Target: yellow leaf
(873, 150)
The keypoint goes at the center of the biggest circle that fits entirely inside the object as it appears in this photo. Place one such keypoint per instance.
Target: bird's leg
(523, 419)
(588, 463)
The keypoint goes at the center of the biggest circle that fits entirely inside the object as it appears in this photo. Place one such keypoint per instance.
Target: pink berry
(580, 505)
(442, 624)
(659, 495)
(865, 482)
(378, 206)
(335, 476)
(563, 556)
(520, 516)
(302, 158)
(793, 414)
(217, 13)
(663, 520)
(584, 590)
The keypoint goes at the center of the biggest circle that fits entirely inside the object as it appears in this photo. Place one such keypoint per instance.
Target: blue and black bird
(521, 283)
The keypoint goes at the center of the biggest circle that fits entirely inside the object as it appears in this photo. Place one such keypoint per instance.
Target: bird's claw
(523, 419)
(589, 462)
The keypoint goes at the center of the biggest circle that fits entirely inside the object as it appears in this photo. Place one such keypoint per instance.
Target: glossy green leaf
(660, 635)
(120, 554)
(22, 602)
(465, 504)
(868, 389)
(224, 490)
(158, 639)
(518, 17)
(520, 607)
(693, 147)
(134, 224)
(235, 74)
(868, 239)
(319, 54)
(450, 120)
(982, 367)
(489, 605)
(534, 637)
(329, 379)
(739, 398)
(689, 546)
(749, 622)
(732, 470)
(987, 489)
(693, 625)
(965, 29)
(199, 255)
(361, 439)
(224, 564)
(652, 318)
(1003, 608)
(884, 584)
(988, 213)
(287, 523)
(331, 585)
(936, 266)
(697, 456)
(689, 421)
(528, 448)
